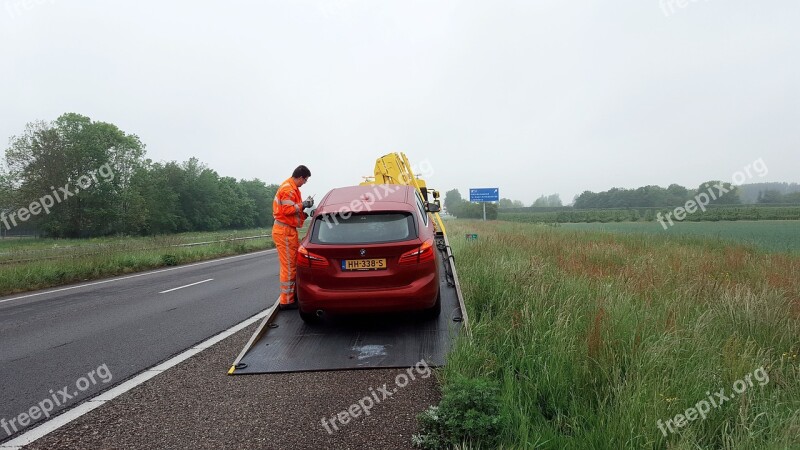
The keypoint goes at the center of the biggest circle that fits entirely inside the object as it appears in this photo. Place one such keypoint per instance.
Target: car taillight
(306, 259)
(422, 254)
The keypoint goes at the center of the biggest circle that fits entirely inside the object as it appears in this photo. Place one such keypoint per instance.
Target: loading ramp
(283, 342)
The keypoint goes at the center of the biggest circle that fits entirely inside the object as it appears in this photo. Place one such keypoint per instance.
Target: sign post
(484, 195)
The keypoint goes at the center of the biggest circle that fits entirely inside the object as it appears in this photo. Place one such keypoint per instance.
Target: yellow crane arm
(394, 168)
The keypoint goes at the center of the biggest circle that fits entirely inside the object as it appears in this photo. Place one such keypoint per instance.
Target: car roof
(381, 197)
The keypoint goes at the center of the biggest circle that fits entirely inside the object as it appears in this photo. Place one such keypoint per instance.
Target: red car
(369, 249)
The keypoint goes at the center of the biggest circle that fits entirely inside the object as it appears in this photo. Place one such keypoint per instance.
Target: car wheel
(310, 318)
(433, 312)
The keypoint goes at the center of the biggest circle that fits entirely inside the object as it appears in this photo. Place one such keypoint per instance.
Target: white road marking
(133, 276)
(188, 285)
(100, 399)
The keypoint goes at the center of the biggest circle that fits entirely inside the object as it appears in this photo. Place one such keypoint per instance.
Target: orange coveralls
(287, 210)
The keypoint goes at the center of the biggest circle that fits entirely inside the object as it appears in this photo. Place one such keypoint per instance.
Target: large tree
(452, 201)
(158, 186)
(792, 198)
(262, 196)
(505, 203)
(85, 166)
(548, 201)
(770, 196)
(6, 190)
(720, 193)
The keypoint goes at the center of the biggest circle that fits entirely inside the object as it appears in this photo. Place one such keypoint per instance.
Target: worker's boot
(285, 306)
(293, 305)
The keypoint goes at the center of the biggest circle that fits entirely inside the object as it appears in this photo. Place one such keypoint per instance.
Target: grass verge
(32, 264)
(594, 339)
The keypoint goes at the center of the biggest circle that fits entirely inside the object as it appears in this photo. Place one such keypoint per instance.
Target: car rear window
(363, 228)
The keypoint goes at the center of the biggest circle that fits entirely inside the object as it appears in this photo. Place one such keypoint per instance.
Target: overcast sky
(533, 97)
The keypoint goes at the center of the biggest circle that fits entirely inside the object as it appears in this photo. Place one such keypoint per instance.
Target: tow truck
(284, 343)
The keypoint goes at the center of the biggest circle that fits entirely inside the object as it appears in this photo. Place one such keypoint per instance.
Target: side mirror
(432, 208)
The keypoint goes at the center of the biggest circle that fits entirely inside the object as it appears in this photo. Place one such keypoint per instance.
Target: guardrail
(221, 240)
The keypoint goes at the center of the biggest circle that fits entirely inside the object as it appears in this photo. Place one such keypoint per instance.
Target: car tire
(310, 318)
(435, 310)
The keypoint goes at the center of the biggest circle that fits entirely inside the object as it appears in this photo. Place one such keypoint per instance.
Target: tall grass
(594, 337)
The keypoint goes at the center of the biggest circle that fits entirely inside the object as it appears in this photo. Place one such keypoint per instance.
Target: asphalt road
(118, 327)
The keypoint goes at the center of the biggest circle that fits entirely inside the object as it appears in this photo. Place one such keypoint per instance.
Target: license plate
(364, 264)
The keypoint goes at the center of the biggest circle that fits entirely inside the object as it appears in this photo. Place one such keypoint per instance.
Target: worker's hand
(308, 203)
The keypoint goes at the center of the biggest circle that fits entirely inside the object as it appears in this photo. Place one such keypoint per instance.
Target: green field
(585, 339)
(773, 235)
(648, 214)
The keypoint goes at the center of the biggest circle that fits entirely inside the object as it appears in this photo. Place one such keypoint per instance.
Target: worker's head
(301, 175)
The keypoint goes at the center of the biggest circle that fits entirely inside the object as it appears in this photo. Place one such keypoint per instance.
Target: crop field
(606, 215)
(602, 340)
(773, 235)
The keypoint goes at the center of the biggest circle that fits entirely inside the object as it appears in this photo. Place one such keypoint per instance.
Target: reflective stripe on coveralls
(287, 206)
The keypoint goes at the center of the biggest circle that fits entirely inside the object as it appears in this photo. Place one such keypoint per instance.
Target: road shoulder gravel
(196, 405)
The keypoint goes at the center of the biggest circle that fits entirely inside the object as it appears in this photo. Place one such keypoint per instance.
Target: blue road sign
(484, 194)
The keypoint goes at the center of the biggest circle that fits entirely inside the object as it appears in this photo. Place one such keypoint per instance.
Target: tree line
(138, 197)
(712, 214)
(544, 201)
(654, 196)
(775, 196)
(773, 192)
(619, 204)
(671, 196)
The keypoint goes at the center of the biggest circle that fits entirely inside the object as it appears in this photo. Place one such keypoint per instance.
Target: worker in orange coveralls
(287, 209)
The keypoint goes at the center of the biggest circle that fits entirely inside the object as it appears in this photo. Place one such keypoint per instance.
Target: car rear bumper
(419, 295)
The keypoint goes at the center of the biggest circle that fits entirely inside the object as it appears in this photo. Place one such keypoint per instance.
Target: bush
(468, 413)
(169, 260)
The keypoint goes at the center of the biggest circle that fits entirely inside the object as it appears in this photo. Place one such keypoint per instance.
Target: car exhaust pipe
(320, 313)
